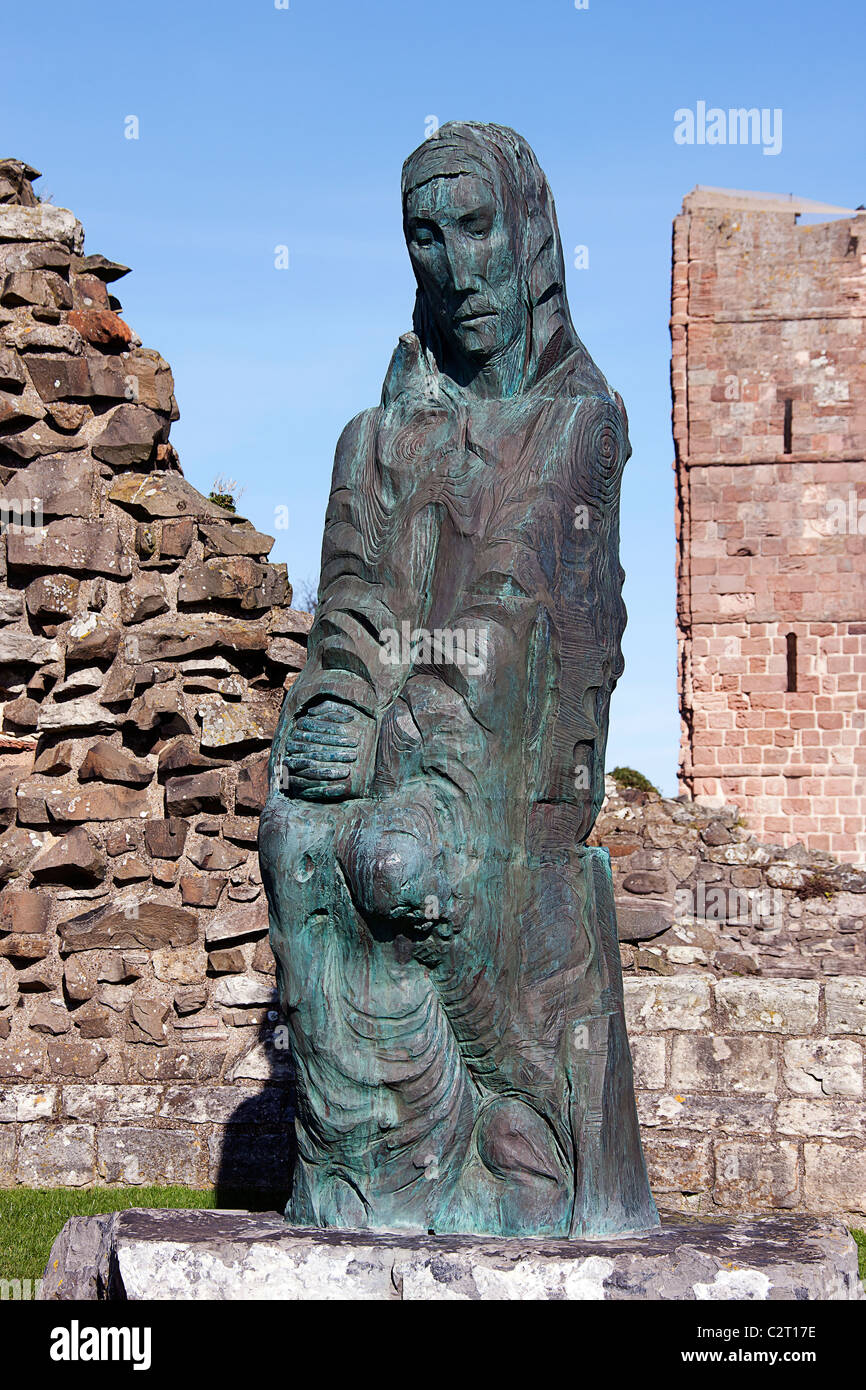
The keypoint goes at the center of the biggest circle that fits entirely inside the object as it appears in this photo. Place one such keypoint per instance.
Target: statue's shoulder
(353, 444)
(600, 443)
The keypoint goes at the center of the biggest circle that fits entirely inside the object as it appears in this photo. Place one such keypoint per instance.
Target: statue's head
(481, 230)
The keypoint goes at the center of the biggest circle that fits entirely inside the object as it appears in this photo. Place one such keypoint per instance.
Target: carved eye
(422, 236)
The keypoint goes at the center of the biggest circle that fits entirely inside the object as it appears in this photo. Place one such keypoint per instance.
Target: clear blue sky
(262, 127)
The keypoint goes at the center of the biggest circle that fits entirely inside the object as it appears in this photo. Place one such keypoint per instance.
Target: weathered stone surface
(105, 762)
(222, 724)
(144, 598)
(846, 1005)
(187, 635)
(92, 638)
(290, 622)
(757, 1176)
(236, 579)
(25, 1103)
(103, 328)
(85, 713)
(161, 495)
(136, 1156)
(236, 924)
(186, 796)
(17, 846)
(731, 1064)
(165, 839)
(165, 1254)
(285, 652)
(130, 869)
(226, 962)
(26, 648)
(24, 910)
(215, 855)
(80, 1059)
(78, 1266)
(227, 539)
(52, 597)
(252, 786)
(63, 484)
(823, 1067)
(777, 1006)
(44, 222)
(22, 946)
(147, 1021)
(151, 924)
(240, 991)
(70, 545)
(96, 803)
(73, 857)
(56, 1155)
(201, 890)
(21, 1060)
(162, 706)
(682, 1002)
(51, 1016)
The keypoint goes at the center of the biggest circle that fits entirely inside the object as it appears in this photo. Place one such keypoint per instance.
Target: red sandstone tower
(769, 416)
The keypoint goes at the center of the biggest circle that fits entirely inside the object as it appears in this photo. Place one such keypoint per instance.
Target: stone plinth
(227, 1255)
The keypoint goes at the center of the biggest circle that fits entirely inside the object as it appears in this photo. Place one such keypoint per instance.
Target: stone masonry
(769, 412)
(145, 645)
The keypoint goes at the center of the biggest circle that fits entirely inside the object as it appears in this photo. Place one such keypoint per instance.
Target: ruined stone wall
(145, 644)
(769, 409)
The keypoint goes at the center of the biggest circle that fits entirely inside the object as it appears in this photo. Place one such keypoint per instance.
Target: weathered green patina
(446, 940)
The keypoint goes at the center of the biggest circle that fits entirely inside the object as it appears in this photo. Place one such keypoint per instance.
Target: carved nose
(460, 270)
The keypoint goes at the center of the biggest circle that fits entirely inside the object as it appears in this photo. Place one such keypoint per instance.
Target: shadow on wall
(258, 1153)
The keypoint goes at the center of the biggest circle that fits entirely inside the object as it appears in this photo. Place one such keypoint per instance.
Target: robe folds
(446, 940)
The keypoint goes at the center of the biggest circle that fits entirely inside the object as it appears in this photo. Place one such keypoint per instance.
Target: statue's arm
(325, 744)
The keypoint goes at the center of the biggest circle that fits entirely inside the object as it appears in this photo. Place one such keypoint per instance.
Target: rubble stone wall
(145, 646)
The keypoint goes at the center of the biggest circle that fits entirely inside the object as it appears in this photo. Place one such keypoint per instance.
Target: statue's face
(465, 260)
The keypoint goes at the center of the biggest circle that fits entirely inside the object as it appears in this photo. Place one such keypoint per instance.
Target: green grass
(31, 1218)
(860, 1237)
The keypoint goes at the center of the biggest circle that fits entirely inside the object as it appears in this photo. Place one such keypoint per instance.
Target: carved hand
(321, 751)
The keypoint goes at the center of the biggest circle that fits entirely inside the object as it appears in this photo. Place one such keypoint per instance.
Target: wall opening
(791, 653)
(788, 428)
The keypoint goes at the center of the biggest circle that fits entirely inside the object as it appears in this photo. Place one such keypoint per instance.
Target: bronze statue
(445, 939)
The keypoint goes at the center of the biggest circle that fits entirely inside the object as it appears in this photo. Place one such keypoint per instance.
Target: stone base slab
(225, 1255)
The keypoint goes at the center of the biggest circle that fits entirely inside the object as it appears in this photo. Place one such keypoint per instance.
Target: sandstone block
(56, 1155)
(70, 544)
(137, 1156)
(823, 1066)
(185, 796)
(151, 924)
(756, 1176)
(679, 1002)
(835, 1178)
(105, 762)
(846, 1005)
(768, 1006)
(730, 1064)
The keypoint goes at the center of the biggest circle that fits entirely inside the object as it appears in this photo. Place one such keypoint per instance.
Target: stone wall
(145, 645)
(750, 1092)
(769, 412)
(696, 891)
